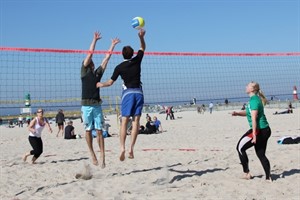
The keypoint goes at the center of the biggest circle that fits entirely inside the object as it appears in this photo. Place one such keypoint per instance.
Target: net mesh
(52, 77)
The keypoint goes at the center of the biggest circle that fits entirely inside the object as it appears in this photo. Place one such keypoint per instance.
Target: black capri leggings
(37, 145)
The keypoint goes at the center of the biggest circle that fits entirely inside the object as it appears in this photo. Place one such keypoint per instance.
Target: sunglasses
(40, 111)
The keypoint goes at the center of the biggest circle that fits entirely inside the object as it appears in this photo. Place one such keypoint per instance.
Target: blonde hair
(258, 91)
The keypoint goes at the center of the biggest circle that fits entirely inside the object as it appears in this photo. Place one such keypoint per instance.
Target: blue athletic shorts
(132, 102)
(92, 117)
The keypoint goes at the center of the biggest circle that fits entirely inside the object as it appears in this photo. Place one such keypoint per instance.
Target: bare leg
(89, 140)
(33, 160)
(62, 130)
(25, 156)
(123, 132)
(134, 133)
(100, 141)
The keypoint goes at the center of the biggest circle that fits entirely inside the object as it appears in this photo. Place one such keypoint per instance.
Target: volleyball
(138, 23)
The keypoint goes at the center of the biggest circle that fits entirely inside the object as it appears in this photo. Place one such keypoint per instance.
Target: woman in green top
(259, 131)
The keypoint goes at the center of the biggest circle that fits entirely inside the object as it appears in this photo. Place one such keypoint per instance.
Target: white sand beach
(195, 158)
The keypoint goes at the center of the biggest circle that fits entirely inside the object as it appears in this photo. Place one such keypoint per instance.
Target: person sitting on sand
(149, 128)
(157, 124)
(70, 131)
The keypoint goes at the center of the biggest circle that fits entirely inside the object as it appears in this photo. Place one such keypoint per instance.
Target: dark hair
(127, 52)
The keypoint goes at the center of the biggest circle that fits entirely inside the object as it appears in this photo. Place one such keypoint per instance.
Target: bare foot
(247, 176)
(103, 165)
(131, 156)
(122, 156)
(95, 162)
(269, 180)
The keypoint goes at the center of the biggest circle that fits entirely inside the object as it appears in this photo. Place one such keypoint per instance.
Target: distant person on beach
(60, 121)
(149, 128)
(132, 95)
(288, 111)
(91, 103)
(35, 128)
(157, 124)
(70, 131)
(20, 120)
(170, 113)
(210, 106)
(226, 102)
(244, 106)
(259, 131)
(28, 119)
(10, 124)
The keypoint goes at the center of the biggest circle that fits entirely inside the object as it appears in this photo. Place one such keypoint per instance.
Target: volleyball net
(52, 77)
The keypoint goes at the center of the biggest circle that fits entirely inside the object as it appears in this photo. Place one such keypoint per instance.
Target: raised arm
(142, 33)
(114, 42)
(87, 60)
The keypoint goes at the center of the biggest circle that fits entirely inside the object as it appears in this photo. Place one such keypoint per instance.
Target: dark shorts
(60, 123)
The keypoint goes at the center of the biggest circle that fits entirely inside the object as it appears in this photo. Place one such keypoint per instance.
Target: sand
(195, 158)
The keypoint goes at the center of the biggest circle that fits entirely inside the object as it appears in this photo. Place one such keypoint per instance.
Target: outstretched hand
(115, 41)
(97, 35)
(142, 33)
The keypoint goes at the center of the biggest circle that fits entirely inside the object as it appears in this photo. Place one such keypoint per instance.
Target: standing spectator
(20, 120)
(172, 113)
(168, 112)
(60, 121)
(28, 119)
(210, 106)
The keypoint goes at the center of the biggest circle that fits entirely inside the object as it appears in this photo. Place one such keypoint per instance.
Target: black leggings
(260, 149)
(37, 145)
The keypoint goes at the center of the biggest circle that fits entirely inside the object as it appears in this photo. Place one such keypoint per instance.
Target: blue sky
(172, 26)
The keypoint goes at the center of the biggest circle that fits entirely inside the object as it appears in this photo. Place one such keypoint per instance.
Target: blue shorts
(92, 117)
(132, 102)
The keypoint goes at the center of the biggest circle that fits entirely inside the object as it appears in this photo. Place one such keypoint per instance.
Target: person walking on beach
(259, 131)
(91, 102)
(35, 128)
(60, 121)
(132, 95)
